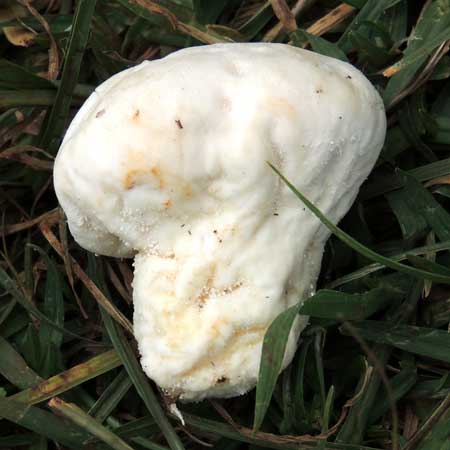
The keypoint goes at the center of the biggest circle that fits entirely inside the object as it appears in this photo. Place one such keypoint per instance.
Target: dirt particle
(167, 204)
(319, 90)
(221, 380)
(136, 114)
(100, 113)
(349, 77)
(179, 124)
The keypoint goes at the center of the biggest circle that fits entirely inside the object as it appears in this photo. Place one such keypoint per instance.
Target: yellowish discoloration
(130, 180)
(206, 291)
(281, 106)
(187, 190)
(168, 204)
(156, 172)
(232, 345)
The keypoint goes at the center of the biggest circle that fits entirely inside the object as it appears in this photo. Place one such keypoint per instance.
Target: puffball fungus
(166, 162)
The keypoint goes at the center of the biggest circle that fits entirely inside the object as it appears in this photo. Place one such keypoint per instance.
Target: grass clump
(373, 369)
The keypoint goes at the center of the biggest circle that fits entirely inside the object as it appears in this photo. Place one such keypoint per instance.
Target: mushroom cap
(167, 162)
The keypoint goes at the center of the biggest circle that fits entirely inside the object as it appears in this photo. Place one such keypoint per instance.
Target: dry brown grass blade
(290, 439)
(84, 278)
(410, 423)
(49, 217)
(440, 180)
(186, 28)
(154, 8)
(19, 154)
(127, 276)
(32, 162)
(53, 53)
(24, 148)
(330, 20)
(29, 125)
(62, 228)
(379, 368)
(422, 432)
(6, 197)
(118, 284)
(422, 78)
(19, 36)
(284, 15)
(272, 34)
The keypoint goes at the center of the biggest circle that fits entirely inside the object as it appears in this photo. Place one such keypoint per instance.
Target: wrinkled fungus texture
(167, 162)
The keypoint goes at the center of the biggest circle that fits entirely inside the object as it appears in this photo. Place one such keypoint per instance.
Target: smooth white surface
(168, 161)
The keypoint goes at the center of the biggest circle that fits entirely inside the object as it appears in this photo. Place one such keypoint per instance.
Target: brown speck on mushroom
(349, 77)
(215, 231)
(136, 114)
(179, 124)
(222, 380)
(100, 113)
(275, 214)
(168, 203)
(319, 90)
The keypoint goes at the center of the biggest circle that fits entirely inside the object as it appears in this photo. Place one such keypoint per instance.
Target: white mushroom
(167, 162)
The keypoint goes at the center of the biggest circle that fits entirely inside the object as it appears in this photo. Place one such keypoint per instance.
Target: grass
(373, 368)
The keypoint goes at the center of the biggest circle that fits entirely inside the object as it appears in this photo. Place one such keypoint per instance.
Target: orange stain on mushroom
(187, 190)
(156, 172)
(167, 204)
(130, 180)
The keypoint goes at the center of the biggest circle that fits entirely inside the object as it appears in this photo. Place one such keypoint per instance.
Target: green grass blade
(79, 36)
(371, 268)
(88, 423)
(328, 304)
(361, 249)
(14, 76)
(70, 378)
(140, 381)
(111, 396)
(14, 368)
(389, 183)
(43, 423)
(134, 370)
(11, 287)
(401, 384)
(429, 342)
(425, 204)
(273, 349)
